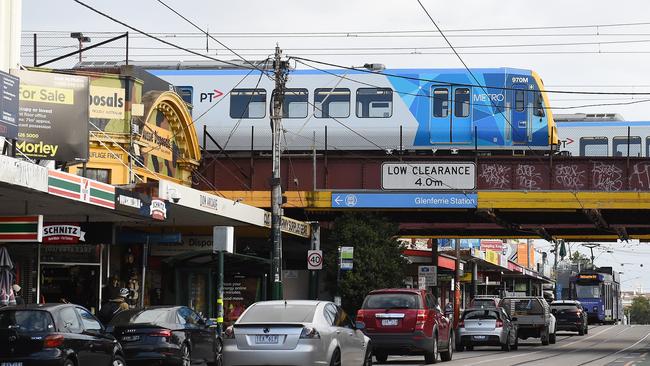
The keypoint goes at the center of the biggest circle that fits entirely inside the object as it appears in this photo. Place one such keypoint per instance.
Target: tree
(378, 259)
(579, 258)
(640, 311)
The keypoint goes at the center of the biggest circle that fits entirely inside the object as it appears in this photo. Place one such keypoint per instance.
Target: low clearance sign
(53, 116)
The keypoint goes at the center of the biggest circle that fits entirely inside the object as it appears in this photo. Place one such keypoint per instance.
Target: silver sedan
(296, 332)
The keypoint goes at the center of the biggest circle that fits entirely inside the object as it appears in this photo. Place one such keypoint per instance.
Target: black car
(570, 316)
(166, 335)
(55, 334)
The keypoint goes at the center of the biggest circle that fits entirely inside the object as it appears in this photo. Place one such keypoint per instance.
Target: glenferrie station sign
(428, 176)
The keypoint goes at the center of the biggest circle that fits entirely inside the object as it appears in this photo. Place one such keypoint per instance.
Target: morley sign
(428, 176)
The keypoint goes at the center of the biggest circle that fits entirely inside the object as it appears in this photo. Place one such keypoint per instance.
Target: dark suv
(406, 321)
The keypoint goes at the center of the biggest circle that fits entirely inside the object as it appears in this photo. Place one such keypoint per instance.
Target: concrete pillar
(10, 28)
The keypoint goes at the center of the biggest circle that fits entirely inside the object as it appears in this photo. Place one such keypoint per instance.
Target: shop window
(594, 146)
(332, 103)
(295, 103)
(247, 103)
(440, 102)
(461, 102)
(100, 175)
(70, 320)
(88, 320)
(374, 103)
(620, 146)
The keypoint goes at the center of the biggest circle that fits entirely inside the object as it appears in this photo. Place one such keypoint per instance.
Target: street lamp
(82, 39)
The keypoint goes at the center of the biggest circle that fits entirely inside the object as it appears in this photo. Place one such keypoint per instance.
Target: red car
(406, 321)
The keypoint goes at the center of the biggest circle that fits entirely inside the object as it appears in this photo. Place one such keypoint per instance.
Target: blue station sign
(403, 200)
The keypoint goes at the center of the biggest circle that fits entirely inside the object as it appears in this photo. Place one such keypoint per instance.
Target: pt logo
(211, 96)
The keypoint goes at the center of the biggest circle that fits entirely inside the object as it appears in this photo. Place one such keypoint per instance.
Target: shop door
(519, 109)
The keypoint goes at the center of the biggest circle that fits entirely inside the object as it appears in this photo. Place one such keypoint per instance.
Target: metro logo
(44, 94)
(211, 96)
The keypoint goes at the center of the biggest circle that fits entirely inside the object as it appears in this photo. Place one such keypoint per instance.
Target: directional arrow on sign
(338, 200)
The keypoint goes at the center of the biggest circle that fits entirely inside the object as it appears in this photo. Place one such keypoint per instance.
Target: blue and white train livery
(411, 109)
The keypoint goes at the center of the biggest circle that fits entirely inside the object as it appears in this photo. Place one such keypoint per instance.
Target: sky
(590, 55)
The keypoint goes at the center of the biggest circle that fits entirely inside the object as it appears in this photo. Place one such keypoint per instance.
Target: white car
(296, 332)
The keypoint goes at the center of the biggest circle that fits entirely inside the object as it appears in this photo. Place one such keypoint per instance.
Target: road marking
(617, 352)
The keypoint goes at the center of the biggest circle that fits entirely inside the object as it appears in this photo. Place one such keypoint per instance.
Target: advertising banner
(53, 116)
(9, 89)
(141, 204)
(63, 234)
(23, 173)
(17, 229)
(106, 103)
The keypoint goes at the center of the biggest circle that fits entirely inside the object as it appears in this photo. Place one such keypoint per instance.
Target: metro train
(354, 110)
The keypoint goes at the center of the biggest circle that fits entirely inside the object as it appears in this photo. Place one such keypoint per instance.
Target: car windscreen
(392, 301)
(149, 316)
(564, 307)
(516, 307)
(279, 313)
(27, 321)
(483, 302)
(480, 315)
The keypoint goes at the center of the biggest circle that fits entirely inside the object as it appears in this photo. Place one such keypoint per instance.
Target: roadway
(617, 345)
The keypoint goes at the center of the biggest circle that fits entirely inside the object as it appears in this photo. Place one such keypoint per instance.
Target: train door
(440, 125)
(519, 120)
(461, 127)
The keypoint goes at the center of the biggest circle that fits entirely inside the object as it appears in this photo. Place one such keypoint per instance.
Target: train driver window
(440, 102)
(374, 103)
(647, 147)
(247, 103)
(461, 102)
(594, 146)
(332, 103)
(620, 146)
(539, 105)
(295, 103)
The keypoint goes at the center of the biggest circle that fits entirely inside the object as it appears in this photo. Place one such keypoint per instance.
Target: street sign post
(315, 260)
(428, 176)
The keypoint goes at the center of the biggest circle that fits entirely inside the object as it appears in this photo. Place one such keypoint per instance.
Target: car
(55, 334)
(168, 335)
(533, 317)
(404, 322)
(296, 332)
(486, 327)
(485, 301)
(571, 316)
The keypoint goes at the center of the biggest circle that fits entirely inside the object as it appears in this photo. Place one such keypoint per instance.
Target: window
(481, 315)
(189, 316)
(330, 103)
(88, 320)
(101, 175)
(539, 105)
(295, 103)
(440, 102)
(374, 103)
(70, 320)
(392, 300)
(330, 313)
(620, 146)
(461, 102)
(186, 93)
(248, 103)
(281, 313)
(520, 100)
(27, 320)
(647, 147)
(594, 146)
(343, 319)
(587, 291)
(148, 316)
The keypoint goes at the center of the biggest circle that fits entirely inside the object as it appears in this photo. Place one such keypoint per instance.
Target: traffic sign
(404, 200)
(346, 258)
(315, 260)
(428, 176)
(429, 274)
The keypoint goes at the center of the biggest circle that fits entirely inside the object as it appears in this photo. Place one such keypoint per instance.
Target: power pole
(457, 293)
(280, 70)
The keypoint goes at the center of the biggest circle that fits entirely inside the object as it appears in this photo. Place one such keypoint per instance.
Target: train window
(594, 146)
(295, 103)
(461, 102)
(186, 93)
(247, 103)
(647, 147)
(440, 102)
(374, 103)
(520, 100)
(620, 146)
(539, 105)
(332, 103)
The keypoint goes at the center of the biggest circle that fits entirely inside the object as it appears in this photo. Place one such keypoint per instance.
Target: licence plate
(479, 338)
(131, 338)
(11, 363)
(389, 322)
(267, 339)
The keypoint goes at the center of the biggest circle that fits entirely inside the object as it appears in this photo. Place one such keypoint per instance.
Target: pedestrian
(113, 306)
(19, 299)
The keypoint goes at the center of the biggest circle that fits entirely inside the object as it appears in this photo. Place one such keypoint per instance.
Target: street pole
(434, 262)
(457, 285)
(313, 275)
(220, 280)
(279, 68)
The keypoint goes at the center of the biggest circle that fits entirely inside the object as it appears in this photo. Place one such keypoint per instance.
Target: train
(599, 291)
(605, 134)
(505, 110)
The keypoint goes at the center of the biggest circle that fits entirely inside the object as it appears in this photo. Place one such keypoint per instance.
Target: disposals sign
(428, 176)
(53, 118)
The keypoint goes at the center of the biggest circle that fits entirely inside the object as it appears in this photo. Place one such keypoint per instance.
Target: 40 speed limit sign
(315, 259)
